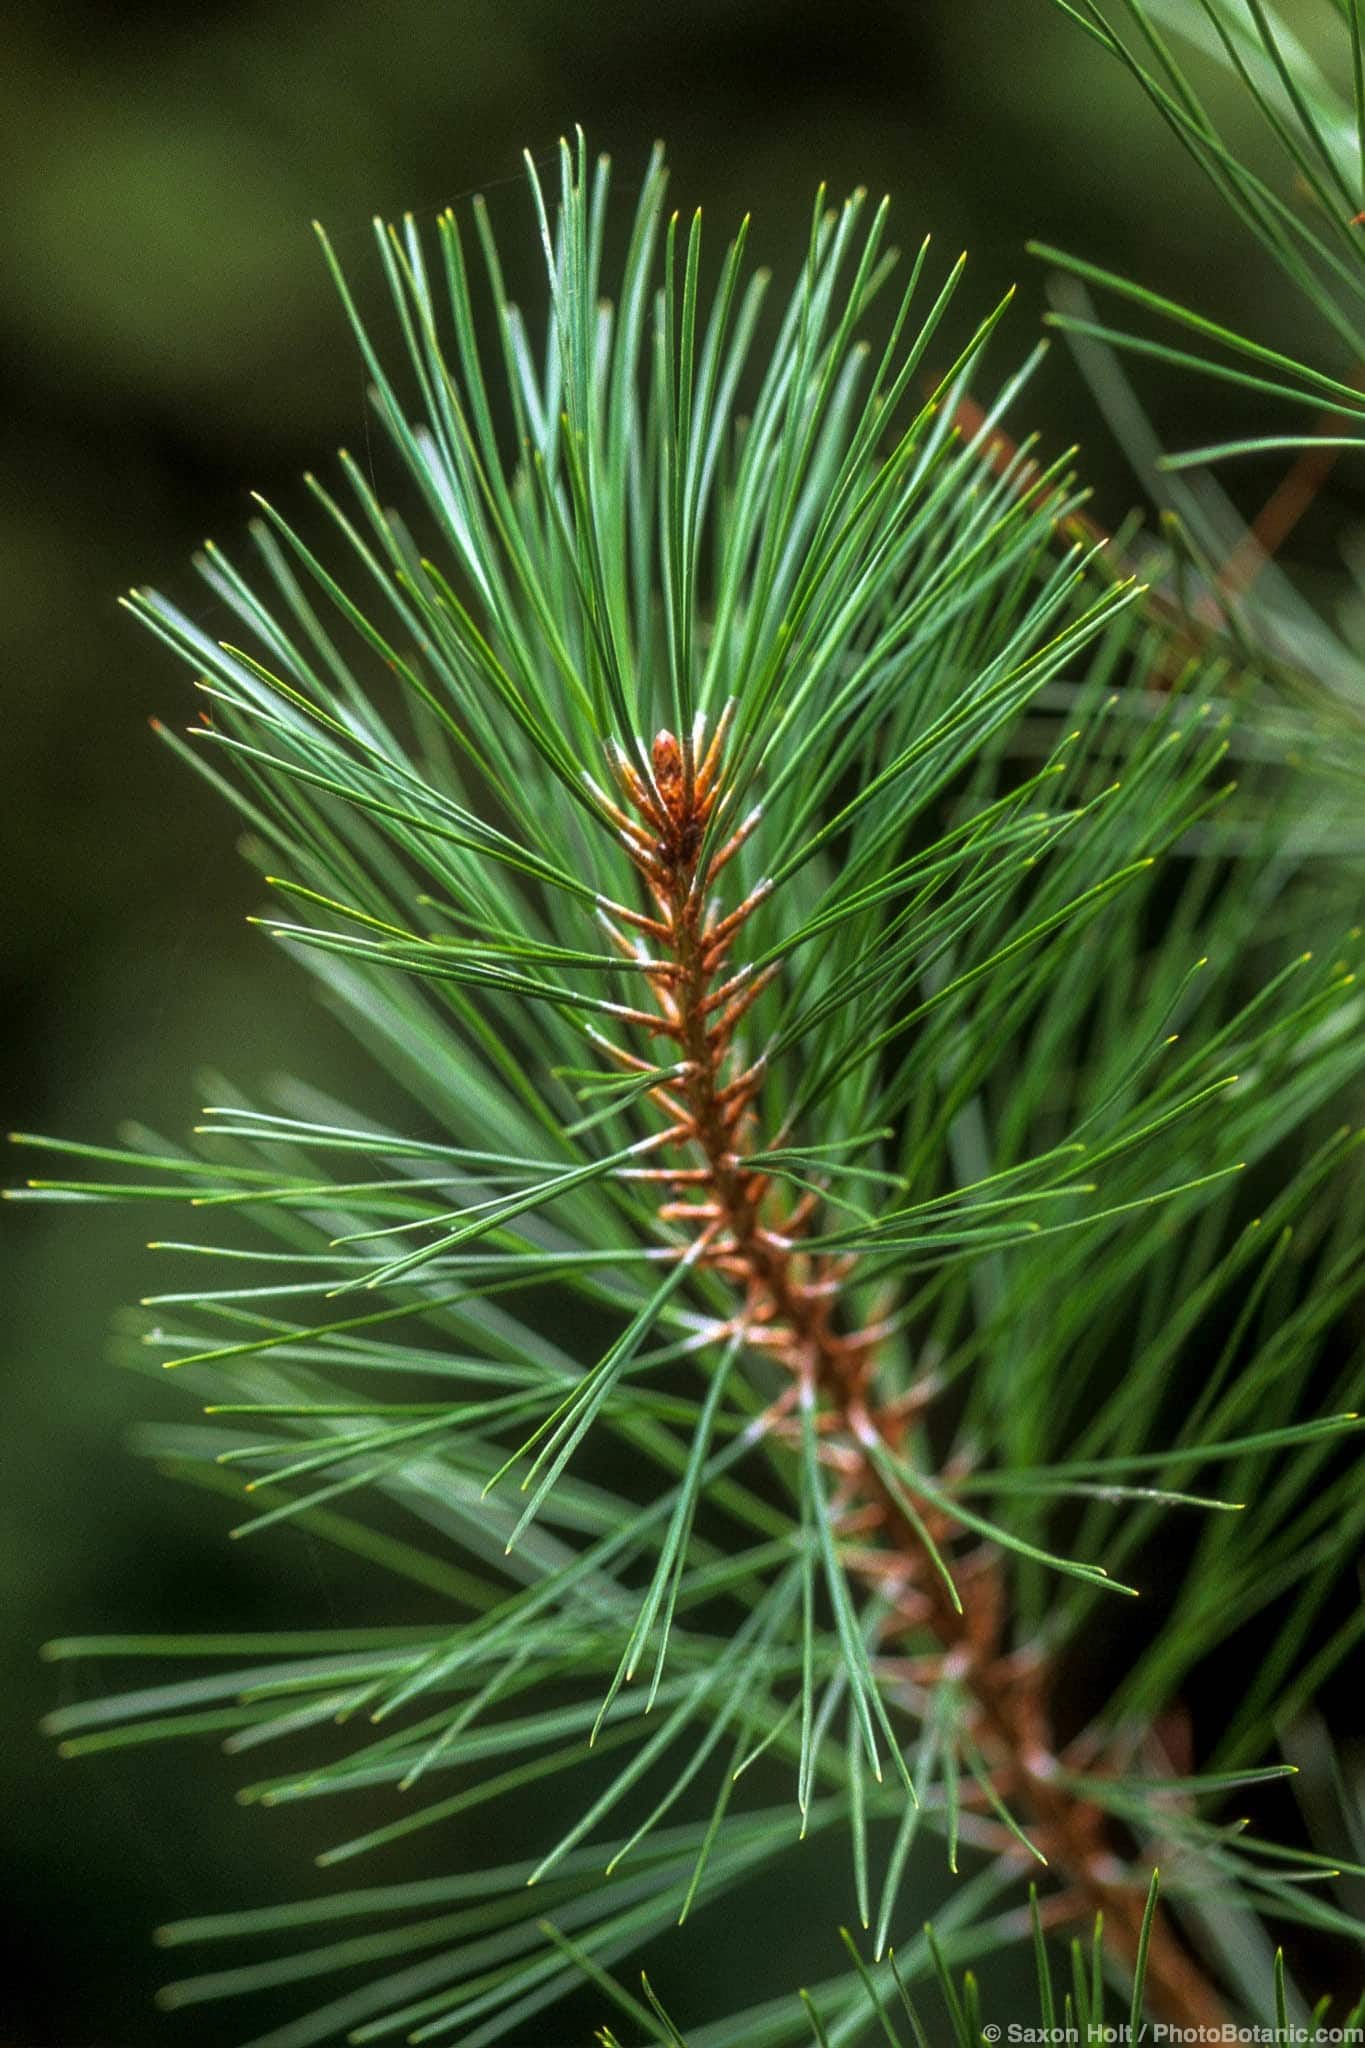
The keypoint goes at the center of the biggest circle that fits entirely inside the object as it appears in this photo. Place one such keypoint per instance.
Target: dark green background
(169, 339)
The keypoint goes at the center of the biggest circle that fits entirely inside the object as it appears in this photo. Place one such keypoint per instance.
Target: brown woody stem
(792, 1310)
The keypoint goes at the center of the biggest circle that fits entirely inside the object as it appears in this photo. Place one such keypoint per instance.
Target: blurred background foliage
(169, 339)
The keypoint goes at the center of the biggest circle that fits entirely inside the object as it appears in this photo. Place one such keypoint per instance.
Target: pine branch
(878, 1055)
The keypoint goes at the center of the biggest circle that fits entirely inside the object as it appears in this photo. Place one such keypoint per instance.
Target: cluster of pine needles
(873, 1181)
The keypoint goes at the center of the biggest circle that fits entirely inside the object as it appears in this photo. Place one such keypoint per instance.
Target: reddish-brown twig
(792, 1301)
